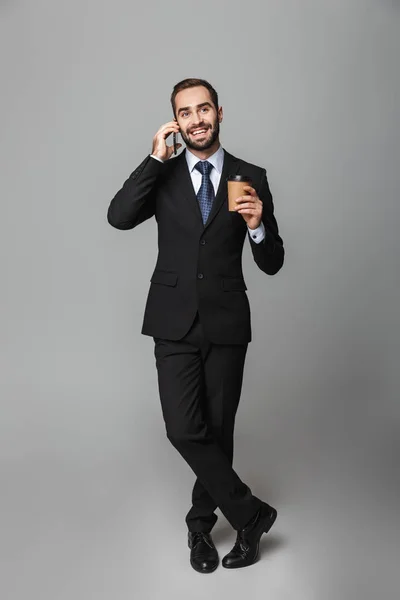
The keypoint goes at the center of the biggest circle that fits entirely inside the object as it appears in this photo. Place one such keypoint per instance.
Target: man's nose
(198, 119)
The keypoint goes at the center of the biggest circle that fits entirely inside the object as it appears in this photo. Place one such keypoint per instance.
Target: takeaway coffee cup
(236, 183)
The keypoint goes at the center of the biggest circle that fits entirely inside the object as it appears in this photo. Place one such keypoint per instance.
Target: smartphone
(174, 140)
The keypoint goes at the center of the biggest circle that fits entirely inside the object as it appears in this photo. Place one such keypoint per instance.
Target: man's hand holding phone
(160, 148)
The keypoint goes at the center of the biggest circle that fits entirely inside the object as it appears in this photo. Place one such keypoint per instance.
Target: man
(197, 309)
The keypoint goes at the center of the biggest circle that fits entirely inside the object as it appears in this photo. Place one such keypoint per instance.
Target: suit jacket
(199, 267)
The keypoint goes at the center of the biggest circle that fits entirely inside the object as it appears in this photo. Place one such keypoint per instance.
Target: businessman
(197, 309)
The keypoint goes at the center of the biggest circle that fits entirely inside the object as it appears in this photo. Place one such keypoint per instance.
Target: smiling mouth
(199, 132)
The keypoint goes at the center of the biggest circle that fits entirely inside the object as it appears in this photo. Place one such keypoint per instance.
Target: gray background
(92, 491)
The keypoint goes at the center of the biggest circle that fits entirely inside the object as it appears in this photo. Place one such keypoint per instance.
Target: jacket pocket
(233, 284)
(164, 277)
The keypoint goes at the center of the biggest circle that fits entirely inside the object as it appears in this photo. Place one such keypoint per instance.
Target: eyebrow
(198, 106)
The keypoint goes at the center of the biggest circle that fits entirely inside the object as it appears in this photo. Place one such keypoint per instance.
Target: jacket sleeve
(135, 201)
(268, 254)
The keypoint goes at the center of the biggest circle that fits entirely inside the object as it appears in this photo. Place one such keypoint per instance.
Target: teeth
(199, 131)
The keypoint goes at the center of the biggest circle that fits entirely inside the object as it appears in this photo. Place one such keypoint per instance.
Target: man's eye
(205, 108)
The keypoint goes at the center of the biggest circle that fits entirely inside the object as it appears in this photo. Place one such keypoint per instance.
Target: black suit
(198, 313)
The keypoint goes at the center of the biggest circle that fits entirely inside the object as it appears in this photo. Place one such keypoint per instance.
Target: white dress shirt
(217, 160)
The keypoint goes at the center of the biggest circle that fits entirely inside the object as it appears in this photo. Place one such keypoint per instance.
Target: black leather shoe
(203, 553)
(245, 550)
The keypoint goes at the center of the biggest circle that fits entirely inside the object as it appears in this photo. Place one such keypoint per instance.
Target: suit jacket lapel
(186, 189)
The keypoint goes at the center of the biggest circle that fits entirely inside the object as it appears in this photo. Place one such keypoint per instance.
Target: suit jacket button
(202, 242)
(200, 276)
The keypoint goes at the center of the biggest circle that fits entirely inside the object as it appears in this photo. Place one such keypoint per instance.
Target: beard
(208, 140)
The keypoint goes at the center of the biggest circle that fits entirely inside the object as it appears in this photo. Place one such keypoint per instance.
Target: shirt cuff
(156, 157)
(257, 235)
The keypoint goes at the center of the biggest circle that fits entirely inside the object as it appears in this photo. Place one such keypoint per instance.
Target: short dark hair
(189, 83)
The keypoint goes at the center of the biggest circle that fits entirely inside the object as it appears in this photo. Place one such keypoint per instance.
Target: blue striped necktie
(206, 194)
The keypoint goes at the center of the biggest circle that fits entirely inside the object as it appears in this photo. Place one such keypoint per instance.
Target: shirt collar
(216, 159)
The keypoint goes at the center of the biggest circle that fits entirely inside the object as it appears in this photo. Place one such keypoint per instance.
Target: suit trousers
(200, 385)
